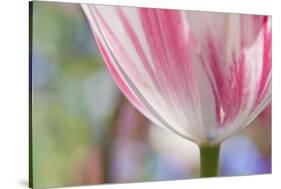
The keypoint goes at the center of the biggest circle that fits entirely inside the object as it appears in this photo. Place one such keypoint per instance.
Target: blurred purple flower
(240, 156)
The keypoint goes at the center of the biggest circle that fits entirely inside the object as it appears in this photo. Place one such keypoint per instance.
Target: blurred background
(86, 132)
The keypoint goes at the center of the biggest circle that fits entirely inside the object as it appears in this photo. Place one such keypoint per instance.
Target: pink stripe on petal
(169, 46)
(266, 68)
(137, 45)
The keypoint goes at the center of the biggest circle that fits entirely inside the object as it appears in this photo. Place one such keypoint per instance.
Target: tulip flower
(202, 75)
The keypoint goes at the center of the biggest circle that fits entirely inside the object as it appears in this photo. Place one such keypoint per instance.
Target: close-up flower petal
(202, 75)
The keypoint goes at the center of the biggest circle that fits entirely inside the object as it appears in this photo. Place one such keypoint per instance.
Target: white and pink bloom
(202, 75)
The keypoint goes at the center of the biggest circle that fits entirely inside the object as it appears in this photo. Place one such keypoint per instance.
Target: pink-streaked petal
(202, 75)
(114, 72)
(134, 76)
(227, 44)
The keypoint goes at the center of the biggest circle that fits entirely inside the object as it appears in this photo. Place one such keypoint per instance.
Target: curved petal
(236, 53)
(133, 66)
(201, 75)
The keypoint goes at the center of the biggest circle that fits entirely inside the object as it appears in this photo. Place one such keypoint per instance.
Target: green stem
(209, 160)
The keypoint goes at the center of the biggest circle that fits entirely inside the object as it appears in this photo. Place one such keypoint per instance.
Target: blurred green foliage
(64, 58)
